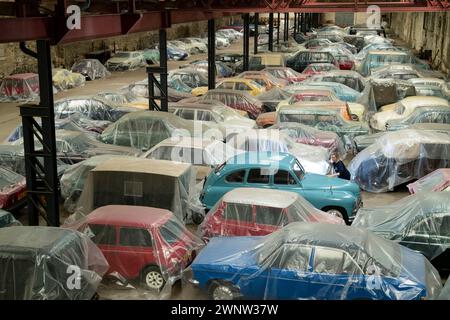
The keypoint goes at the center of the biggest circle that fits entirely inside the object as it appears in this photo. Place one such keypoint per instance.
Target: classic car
(125, 60)
(147, 244)
(225, 34)
(399, 157)
(239, 100)
(314, 43)
(345, 62)
(64, 79)
(342, 91)
(227, 119)
(349, 78)
(13, 189)
(270, 99)
(7, 219)
(240, 84)
(192, 77)
(222, 69)
(281, 171)
(144, 129)
(264, 79)
(430, 114)
(94, 108)
(40, 263)
(203, 154)
(302, 59)
(124, 98)
(341, 106)
(316, 68)
(302, 95)
(436, 181)
(323, 119)
(258, 212)
(402, 109)
(420, 222)
(20, 87)
(284, 73)
(380, 58)
(429, 87)
(313, 159)
(260, 61)
(304, 134)
(194, 46)
(230, 59)
(91, 69)
(403, 72)
(313, 261)
(174, 53)
(176, 90)
(151, 56)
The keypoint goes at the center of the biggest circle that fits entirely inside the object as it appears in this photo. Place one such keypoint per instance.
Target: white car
(402, 109)
(188, 47)
(228, 34)
(222, 42)
(195, 46)
(203, 154)
(126, 60)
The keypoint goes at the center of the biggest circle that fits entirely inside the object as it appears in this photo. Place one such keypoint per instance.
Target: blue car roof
(267, 159)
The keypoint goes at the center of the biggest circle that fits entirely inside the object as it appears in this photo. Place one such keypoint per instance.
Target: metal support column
(153, 82)
(304, 23)
(278, 28)
(211, 54)
(270, 31)
(255, 41)
(286, 26)
(295, 23)
(40, 158)
(246, 41)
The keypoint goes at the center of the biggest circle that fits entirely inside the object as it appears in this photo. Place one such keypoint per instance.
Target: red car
(317, 68)
(144, 243)
(22, 85)
(258, 212)
(13, 190)
(345, 63)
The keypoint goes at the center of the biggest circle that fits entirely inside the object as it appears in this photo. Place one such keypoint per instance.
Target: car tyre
(338, 212)
(221, 290)
(152, 278)
(197, 218)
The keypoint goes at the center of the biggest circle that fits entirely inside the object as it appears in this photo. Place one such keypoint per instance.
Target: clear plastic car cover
(445, 292)
(140, 89)
(75, 176)
(7, 219)
(11, 183)
(91, 68)
(147, 249)
(64, 79)
(419, 222)
(20, 88)
(235, 99)
(191, 77)
(351, 79)
(313, 261)
(399, 157)
(301, 133)
(48, 263)
(140, 182)
(256, 212)
(314, 159)
(438, 180)
(272, 97)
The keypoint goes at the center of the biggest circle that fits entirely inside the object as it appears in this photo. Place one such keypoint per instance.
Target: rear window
(171, 231)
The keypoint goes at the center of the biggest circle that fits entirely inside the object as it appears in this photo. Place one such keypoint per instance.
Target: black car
(48, 263)
(302, 59)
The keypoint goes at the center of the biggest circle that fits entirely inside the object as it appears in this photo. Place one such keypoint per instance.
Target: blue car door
(336, 276)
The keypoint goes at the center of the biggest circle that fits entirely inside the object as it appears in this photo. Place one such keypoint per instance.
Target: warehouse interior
(224, 150)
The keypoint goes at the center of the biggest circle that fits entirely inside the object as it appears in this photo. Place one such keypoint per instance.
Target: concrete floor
(9, 119)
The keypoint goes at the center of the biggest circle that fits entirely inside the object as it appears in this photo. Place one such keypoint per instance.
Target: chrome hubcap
(154, 280)
(335, 213)
(222, 293)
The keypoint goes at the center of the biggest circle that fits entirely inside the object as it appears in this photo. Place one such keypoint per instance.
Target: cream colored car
(402, 109)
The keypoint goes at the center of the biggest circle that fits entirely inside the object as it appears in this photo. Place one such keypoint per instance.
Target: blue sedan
(314, 261)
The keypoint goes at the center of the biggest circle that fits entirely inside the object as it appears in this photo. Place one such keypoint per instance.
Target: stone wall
(13, 60)
(426, 31)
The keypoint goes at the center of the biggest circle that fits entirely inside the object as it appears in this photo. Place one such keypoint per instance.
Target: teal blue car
(282, 171)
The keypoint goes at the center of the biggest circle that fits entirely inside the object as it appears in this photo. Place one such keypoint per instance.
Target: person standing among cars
(339, 168)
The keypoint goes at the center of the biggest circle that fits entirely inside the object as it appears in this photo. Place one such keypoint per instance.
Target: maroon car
(20, 86)
(308, 135)
(12, 190)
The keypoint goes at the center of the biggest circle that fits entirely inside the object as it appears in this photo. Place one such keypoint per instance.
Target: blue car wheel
(222, 290)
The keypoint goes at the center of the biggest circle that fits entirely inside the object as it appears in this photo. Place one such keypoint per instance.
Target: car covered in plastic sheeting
(93, 108)
(222, 69)
(140, 89)
(400, 157)
(429, 87)
(174, 53)
(64, 79)
(426, 115)
(20, 87)
(323, 119)
(91, 69)
(342, 91)
(13, 189)
(313, 159)
(314, 261)
(284, 73)
(143, 130)
(304, 134)
(445, 292)
(381, 92)
(263, 79)
(351, 79)
(147, 248)
(404, 72)
(238, 100)
(74, 146)
(125, 98)
(217, 115)
(203, 154)
(436, 181)
(48, 263)
(138, 182)
(258, 212)
(402, 109)
(302, 59)
(192, 46)
(238, 84)
(315, 69)
(420, 222)
(13, 158)
(151, 56)
(7, 219)
(270, 99)
(124, 60)
(281, 171)
(192, 77)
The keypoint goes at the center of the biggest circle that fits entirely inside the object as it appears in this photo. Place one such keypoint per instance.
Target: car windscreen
(172, 231)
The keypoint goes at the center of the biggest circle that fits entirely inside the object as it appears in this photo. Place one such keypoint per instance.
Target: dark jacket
(339, 167)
